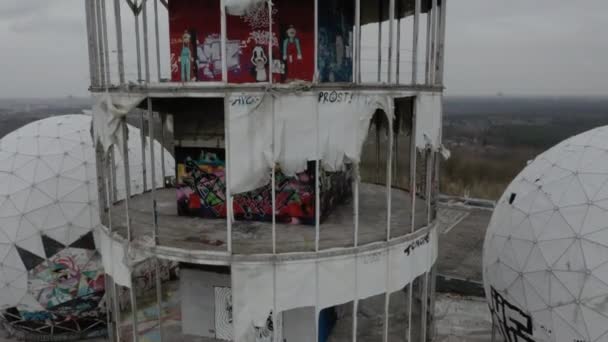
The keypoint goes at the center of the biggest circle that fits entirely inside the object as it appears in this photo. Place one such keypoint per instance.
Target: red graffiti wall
(194, 33)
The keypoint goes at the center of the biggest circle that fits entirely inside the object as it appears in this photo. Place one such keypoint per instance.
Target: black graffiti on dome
(417, 243)
(336, 97)
(515, 325)
(245, 100)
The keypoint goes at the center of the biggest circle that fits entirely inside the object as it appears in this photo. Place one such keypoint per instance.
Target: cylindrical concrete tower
(307, 139)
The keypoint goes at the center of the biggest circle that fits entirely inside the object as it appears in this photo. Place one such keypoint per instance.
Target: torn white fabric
(295, 132)
(428, 120)
(109, 110)
(323, 283)
(239, 7)
(113, 258)
(342, 118)
(250, 142)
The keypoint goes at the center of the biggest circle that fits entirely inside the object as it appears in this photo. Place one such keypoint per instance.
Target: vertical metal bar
(134, 310)
(413, 161)
(433, 42)
(357, 47)
(142, 135)
(146, 42)
(119, 47)
(125, 153)
(274, 179)
(270, 55)
(442, 41)
(105, 179)
(391, 35)
(433, 285)
(163, 122)
(425, 284)
(429, 179)
(100, 46)
(356, 182)
(410, 297)
(316, 75)
(223, 42)
(112, 287)
(104, 24)
(227, 175)
(389, 180)
(415, 42)
(157, 35)
(137, 45)
(389, 171)
(380, 17)
(317, 179)
(125, 157)
(356, 299)
(428, 47)
(398, 66)
(90, 21)
(152, 169)
(387, 298)
(114, 192)
(159, 298)
(229, 207)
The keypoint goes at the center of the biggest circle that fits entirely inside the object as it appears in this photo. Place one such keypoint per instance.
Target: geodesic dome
(51, 277)
(545, 259)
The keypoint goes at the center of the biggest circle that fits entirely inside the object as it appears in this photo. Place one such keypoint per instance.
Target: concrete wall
(198, 300)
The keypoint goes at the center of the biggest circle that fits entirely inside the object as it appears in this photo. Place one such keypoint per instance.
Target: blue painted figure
(186, 57)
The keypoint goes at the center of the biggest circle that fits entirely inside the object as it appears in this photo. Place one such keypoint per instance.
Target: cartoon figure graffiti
(185, 58)
(292, 52)
(259, 60)
(205, 59)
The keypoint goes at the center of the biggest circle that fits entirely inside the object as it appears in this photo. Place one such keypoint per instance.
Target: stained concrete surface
(337, 230)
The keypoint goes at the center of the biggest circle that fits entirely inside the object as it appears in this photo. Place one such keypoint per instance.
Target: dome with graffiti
(51, 276)
(545, 259)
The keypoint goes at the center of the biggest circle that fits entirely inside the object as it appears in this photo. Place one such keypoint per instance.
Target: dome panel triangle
(595, 322)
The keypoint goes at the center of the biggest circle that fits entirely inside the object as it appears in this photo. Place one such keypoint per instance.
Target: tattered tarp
(428, 121)
(109, 111)
(255, 145)
(116, 257)
(324, 283)
(113, 257)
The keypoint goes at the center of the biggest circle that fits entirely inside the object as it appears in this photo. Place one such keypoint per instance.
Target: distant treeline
(491, 139)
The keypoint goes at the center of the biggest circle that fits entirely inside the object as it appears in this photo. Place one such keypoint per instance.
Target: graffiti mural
(65, 292)
(336, 22)
(194, 33)
(514, 323)
(292, 40)
(201, 191)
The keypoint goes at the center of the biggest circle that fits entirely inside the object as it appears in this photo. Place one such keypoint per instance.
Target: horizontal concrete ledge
(225, 259)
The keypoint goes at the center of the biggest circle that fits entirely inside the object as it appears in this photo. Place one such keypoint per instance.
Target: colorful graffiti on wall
(194, 33)
(336, 22)
(292, 42)
(196, 52)
(201, 191)
(65, 292)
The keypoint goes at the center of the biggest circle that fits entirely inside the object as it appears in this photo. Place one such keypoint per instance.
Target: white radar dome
(545, 256)
(51, 277)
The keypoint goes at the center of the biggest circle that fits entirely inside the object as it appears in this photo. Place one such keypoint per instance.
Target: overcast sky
(530, 47)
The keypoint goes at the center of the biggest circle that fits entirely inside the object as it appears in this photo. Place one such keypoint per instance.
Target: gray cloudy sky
(534, 47)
